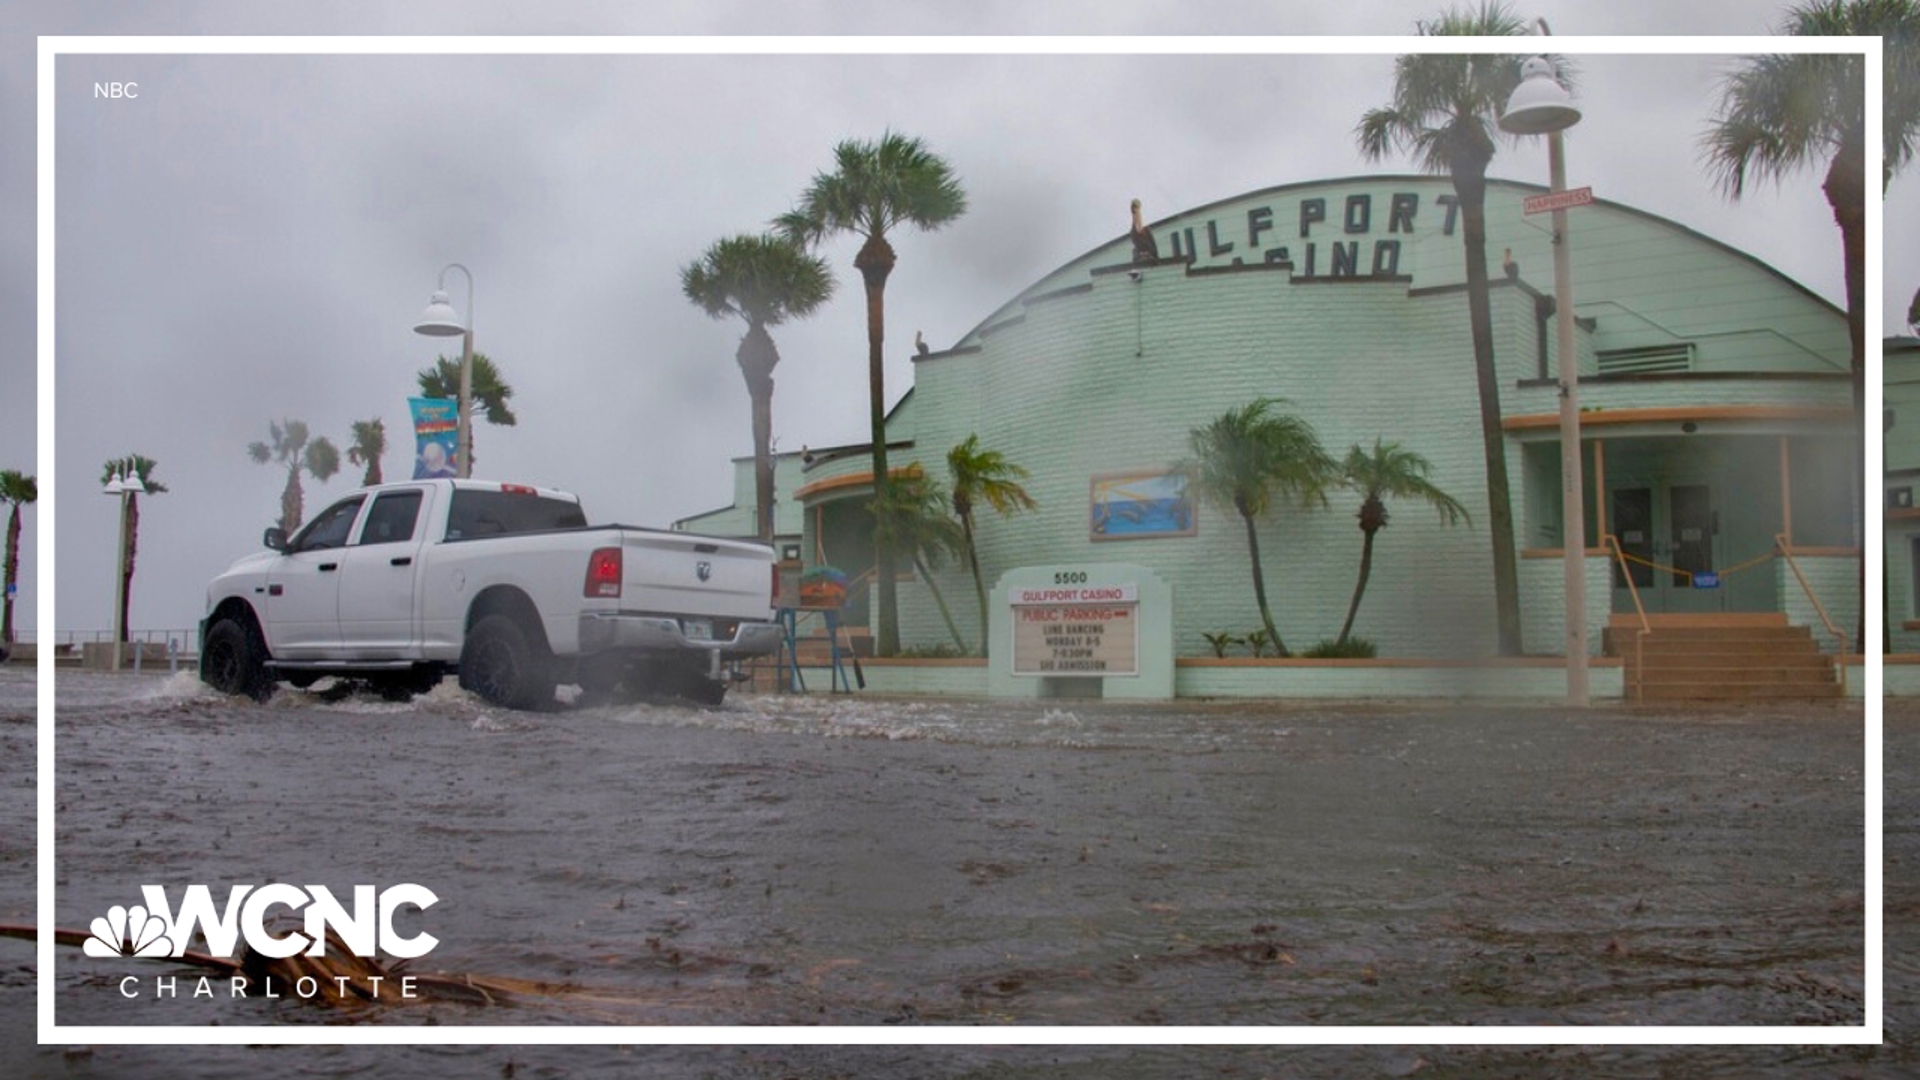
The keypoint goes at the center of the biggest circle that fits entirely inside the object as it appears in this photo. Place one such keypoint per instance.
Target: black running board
(343, 665)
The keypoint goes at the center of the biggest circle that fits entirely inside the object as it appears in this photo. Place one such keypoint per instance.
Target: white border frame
(50, 48)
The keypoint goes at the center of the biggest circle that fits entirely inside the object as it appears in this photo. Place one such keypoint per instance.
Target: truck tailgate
(677, 573)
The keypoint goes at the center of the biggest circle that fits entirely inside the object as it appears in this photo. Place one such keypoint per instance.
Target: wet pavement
(855, 860)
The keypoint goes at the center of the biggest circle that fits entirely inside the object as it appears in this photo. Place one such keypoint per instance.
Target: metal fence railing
(172, 641)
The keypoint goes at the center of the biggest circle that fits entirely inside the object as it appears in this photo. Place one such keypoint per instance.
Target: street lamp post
(125, 489)
(1541, 106)
(440, 320)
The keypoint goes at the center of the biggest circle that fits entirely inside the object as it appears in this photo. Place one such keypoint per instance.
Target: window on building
(1825, 483)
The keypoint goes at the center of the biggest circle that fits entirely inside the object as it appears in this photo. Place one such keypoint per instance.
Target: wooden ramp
(1730, 657)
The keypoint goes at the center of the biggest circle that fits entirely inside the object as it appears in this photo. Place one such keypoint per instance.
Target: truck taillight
(603, 572)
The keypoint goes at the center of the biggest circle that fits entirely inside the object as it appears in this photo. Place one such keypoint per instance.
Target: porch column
(1786, 491)
(1599, 492)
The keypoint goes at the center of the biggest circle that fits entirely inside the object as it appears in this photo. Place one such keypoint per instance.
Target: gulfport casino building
(1715, 407)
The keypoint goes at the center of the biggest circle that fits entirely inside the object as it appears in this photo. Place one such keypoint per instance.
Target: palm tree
(984, 476)
(291, 449)
(1780, 113)
(910, 519)
(874, 187)
(764, 280)
(133, 465)
(369, 445)
(1388, 471)
(16, 489)
(1248, 457)
(490, 391)
(1444, 112)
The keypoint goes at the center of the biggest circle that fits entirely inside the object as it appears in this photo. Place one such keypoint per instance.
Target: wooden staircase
(1730, 657)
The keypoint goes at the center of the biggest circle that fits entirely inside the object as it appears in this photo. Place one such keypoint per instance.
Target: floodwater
(852, 860)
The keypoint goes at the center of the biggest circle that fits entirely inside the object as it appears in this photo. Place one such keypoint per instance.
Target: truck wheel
(503, 667)
(233, 660)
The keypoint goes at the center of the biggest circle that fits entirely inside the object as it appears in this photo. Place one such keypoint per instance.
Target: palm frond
(1247, 457)
(765, 279)
(1777, 114)
(17, 487)
(1390, 470)
(875, 186)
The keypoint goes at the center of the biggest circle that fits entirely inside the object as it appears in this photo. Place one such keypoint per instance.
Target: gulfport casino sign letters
(1328, 234)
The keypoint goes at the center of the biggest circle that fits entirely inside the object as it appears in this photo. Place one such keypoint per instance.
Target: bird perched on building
(1144, 247)
(1506, 263)
(919, 344)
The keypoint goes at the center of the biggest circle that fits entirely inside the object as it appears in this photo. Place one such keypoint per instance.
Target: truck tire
(233, 660)
(501, 665)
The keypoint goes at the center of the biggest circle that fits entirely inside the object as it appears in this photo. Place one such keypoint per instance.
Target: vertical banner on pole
(436, 423)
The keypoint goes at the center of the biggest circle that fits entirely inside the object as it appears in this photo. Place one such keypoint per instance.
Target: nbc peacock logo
(129, 932)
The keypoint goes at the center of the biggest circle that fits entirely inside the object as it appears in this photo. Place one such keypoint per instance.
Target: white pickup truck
(503, 583)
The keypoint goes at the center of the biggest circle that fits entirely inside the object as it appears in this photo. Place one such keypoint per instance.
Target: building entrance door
(1670, 535)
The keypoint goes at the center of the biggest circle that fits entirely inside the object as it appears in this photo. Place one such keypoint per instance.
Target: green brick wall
(1091, 371)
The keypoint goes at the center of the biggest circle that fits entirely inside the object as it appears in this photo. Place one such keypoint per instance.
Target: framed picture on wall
(1140, 505)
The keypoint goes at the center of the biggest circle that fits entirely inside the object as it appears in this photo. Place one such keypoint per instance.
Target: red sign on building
(1558, 200)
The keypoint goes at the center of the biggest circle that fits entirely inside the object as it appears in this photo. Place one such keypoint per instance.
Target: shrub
(1353, 648)
(937, 651)
(1221, 642)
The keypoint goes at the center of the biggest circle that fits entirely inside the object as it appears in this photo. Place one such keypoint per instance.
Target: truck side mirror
(275, 538)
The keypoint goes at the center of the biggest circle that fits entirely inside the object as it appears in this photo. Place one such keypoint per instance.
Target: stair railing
(1785, 548)
(1645, 628)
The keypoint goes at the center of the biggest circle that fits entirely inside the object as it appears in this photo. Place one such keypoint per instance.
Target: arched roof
(1619, 252)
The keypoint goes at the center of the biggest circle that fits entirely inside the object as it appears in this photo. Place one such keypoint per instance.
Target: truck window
(330, 529)
(497, 513)
(392, 518)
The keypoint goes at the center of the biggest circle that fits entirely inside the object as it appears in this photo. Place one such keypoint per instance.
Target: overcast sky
(252, 238)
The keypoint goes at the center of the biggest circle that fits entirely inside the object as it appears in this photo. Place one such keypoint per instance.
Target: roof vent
(1646, 360)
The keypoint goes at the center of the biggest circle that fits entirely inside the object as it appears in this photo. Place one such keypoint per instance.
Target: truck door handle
(327, 567)
(404, 560)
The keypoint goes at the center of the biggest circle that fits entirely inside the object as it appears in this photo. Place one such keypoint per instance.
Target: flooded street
(854, 860)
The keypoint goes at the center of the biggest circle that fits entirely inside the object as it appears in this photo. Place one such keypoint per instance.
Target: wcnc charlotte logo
(157, 929)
